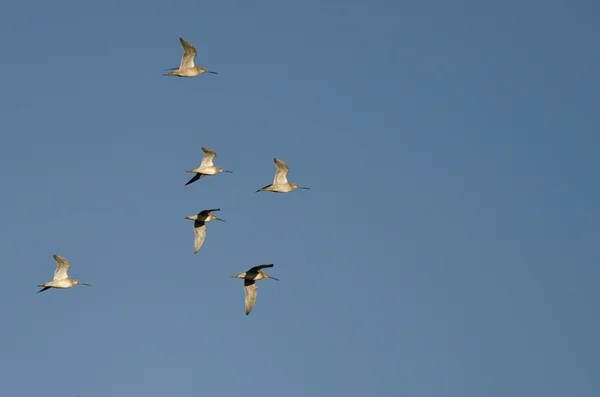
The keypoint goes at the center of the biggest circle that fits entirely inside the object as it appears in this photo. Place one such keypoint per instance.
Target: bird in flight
(200, 220)
(206, 167)
(61, 278)
(250, 287)
(187, 68)
(280, 183)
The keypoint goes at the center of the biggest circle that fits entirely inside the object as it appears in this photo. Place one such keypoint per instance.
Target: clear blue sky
(449, 244)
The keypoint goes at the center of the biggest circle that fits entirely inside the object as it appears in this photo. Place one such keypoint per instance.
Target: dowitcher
(280, 182)
(187, 67)
(206, 167)
(250, 287)
(200, 221)
(61, 279)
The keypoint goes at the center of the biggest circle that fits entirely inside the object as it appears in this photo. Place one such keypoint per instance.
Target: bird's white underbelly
(208, 170)
(282, 187)
(64, 283)
(188, 72)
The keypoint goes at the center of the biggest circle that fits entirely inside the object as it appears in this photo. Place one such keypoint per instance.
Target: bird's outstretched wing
(209, 156)
(250, 290)
(62, 267)
(206, 212)
(263, 188)
(200, 235)
(281, 173)
(189, 53)
(256, 269)
(195, 178)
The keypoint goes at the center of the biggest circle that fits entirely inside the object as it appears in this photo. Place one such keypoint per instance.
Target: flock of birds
(280, 184)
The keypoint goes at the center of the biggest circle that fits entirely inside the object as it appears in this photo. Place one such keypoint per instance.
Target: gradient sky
(449, 244)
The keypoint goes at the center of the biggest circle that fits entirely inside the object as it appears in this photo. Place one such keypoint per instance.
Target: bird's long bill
(303, 187)
(219, 219)
(89, 285)
(274, 278)
(231, 172)
(210, 71)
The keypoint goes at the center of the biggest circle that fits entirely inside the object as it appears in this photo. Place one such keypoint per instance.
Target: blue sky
(448, 245)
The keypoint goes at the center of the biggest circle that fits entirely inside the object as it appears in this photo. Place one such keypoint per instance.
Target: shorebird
(206, 167)
(61, 279)
(200, 221)
(280, 182)
(187, 67)
(250, 287)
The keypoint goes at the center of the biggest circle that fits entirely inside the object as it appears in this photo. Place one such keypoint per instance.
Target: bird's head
(215, 217)
(265, 275)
